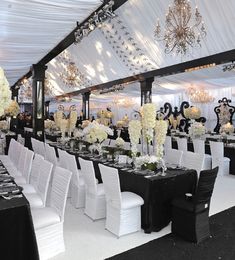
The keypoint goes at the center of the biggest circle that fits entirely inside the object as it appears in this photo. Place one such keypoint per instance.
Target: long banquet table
(18, 240)
(229, 151)
(157, 191)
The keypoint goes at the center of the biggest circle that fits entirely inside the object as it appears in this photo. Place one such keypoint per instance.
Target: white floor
(88, 240)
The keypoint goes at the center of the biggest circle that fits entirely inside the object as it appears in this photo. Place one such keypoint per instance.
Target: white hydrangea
(5, 93)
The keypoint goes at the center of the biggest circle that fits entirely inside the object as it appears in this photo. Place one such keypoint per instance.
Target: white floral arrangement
(227, 128)
(72, 120)
(146, 161)
(148, 117)
(49, 124)
(134, 130)
(161, 127)
(197, 130)
(13, 109)
(5, 93)
(192, 112)
(96, 133)
(3, 125)
(119, 142)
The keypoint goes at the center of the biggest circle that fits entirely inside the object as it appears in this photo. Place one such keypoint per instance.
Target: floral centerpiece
(192, 112)
(161, 127)
(5, 93)
(13, 109)
(119, 142)
(72, 119)
(197, 130)
(148, 117)
(49, 124)
(227, 128)
(134, 131)
(96, 133)
(147, 162)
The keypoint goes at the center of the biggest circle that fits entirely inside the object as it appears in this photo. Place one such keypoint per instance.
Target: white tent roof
(30, 29)
(121, 48)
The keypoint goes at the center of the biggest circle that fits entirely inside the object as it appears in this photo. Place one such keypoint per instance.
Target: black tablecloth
(228, 152)
(157, 192)
(18, 239)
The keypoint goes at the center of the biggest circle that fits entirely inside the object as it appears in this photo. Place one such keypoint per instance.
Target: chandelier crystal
(71, 76)
(183, 29)
(199, 95)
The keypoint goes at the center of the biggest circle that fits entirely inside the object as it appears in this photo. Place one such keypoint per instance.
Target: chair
(38, 199)
(31, 187)
(62, 158)
(51, 154)
(182, 144)
(77, 183)
(199, 147)
(26, 169)
(48, 221)
(95, 206)
(190, 216)
(173, 156)
(218, 159)
(123, 208)
(41, 148)
(168, 143)
(192, 160)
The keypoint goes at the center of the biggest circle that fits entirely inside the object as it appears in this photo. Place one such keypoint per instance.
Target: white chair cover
(173, 156)
(218, 159)
(194, 161)
(48, 221)
(123, 208)
(95, 206)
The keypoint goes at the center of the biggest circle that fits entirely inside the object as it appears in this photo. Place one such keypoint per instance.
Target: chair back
(111, 183)
(173, 156)
(11, 149)
(62, 158)
(205, 186)
(28, 165)
(88, 172)
(15, 153)
(22, 158)
(217, 149)
(199, 146)
(50, 154)
(182, 144)
(35, 169)
(168, 143)
(44, 179)
(59, 191)
(41, 148)
(72, 166)
(20, 139)
(192, 160)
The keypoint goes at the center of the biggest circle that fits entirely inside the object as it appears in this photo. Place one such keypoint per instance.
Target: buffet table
(157, 191)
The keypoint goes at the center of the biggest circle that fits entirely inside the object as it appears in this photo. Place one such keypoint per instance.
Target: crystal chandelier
(71, 76)
(183, 29)
(199, 95)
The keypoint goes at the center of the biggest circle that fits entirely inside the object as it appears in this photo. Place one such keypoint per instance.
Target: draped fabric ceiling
(123, 47)
(29, 29)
